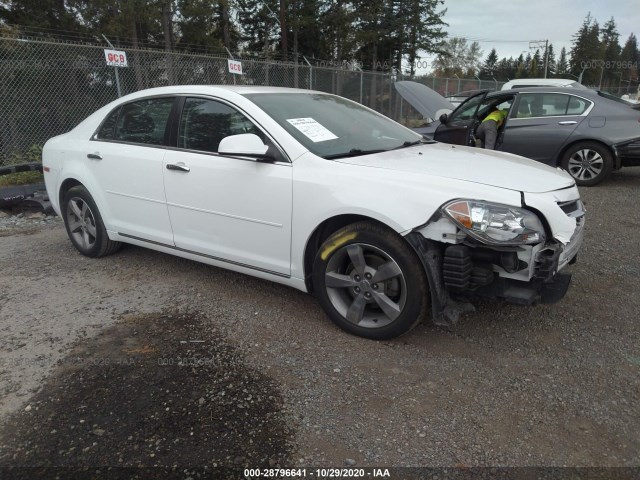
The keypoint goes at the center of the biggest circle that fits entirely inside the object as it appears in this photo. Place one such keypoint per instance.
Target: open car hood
(428, 102)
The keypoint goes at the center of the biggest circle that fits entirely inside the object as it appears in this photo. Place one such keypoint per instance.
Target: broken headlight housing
(495, 223)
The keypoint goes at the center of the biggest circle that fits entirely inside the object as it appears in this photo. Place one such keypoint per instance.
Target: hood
(428, 102)
(475, 165)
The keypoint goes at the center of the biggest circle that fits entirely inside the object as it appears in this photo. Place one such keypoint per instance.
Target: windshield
(331, 126)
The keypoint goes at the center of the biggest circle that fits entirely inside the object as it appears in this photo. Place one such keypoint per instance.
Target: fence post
(310, 73)
(115, 69)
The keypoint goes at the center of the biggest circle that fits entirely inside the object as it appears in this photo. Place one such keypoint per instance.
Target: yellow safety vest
(497, 116)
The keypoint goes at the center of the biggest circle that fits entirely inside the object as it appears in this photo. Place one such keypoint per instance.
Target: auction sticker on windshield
(312, 129)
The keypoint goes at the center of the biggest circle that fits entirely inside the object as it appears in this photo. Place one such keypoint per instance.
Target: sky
(508, 26)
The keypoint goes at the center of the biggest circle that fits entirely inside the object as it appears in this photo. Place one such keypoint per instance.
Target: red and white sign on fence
(235, 66)
(115, 58)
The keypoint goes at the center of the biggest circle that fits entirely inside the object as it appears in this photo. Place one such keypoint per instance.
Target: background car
(541, 82)
(319, 193)
(586, 132)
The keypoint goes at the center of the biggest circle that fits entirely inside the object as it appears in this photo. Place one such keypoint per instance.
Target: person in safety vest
(488, 129)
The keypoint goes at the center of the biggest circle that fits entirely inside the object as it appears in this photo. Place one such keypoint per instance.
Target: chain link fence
(48, 87)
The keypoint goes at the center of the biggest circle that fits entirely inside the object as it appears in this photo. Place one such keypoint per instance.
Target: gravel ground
(553, 385)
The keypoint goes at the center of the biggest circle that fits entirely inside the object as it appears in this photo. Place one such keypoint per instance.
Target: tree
(424, 29)
(259, 20)
(630, 56)
(562, 66)
(207, 25)
(535, 65)
(490, 64)
(456, 57)
(585, 51)
(551, 60)
(44, 14)
(610, 46)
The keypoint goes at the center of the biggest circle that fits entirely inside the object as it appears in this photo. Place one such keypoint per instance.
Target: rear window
(550, 105)
(144, 121)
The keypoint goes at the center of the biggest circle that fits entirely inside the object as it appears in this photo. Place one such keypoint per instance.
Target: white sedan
(319, 193)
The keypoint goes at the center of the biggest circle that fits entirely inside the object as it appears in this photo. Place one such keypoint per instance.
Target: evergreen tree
(207, 24)
(562, 65)
(260, 30)
(490, 64)
(41, 14)
(586, 51)
(610, 46)
(551, 60)
(630, 56)
(536, 65)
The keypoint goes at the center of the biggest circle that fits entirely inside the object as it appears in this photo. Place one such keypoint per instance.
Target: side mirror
(243, 145)
(444, 118)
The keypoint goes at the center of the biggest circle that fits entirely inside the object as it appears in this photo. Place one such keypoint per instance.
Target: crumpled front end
(502, 252)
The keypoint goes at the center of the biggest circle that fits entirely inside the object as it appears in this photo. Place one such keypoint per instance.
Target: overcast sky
(508, 26)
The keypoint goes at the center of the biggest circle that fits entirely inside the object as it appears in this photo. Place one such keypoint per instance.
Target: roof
(215, 89)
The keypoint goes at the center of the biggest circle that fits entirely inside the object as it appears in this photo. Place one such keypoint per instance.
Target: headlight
(495, 223)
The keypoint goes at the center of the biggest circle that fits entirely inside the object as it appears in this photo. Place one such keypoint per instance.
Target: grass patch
(21, 178)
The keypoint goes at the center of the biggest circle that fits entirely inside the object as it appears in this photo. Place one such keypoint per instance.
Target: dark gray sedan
(586, 132)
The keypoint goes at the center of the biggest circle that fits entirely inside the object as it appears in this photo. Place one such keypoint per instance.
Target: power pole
(537, 45)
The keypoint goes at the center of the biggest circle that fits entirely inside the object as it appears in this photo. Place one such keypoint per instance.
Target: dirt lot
(145, 359)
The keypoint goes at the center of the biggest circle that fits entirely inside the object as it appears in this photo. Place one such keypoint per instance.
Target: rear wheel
(84, 224)
(370, 282)
(588, 163)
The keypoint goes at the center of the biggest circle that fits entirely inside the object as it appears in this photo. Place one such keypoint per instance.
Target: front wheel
(370, 282)
(588, 163)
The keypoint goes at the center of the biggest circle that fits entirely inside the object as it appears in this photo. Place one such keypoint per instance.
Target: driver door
(233, 209)
(461, 122)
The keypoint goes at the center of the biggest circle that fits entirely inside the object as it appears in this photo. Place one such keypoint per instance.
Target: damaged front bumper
(460, 269)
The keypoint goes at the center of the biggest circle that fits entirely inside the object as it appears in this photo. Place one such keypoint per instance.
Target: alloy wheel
(82, 223)
(585, 164)
(365, 285)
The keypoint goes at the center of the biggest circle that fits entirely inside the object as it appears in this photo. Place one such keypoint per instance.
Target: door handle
(94, 156)
(180, 167)
(568, 122)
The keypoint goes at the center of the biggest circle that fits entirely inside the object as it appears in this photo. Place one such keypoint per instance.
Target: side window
(542, 105)
(108, 129)
(467, 111)
(144, 121)
(204, 123)
(577, 106)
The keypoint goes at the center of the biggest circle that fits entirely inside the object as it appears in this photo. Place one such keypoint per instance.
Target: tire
(360, 295)
(589, 163)
(84, 224)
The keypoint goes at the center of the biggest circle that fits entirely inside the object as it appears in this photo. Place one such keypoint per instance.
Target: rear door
(541, 123)
(126, 156)
(460, 123)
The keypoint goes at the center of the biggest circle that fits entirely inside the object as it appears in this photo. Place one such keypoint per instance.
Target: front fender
(400, 200)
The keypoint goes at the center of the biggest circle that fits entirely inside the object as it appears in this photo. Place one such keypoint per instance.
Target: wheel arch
(323, 231)
(65, 186)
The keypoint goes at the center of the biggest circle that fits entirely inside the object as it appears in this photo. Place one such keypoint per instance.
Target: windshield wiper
(422, 141)
(354, 152)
